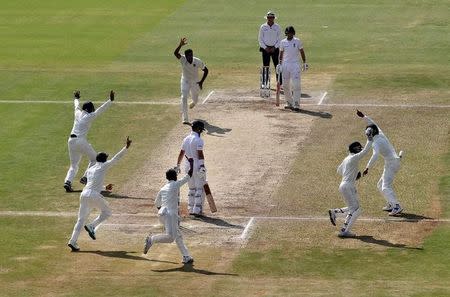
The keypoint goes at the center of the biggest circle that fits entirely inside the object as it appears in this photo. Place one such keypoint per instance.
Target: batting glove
(305, 66)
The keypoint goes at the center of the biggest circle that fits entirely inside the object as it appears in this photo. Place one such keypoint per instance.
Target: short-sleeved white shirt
(291, 49)
(191, 145)
(269, 35)
(190, 70)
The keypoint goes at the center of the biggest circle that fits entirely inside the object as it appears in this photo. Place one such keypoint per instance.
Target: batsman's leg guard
(265, 81)
(191, 200)
(296, 92)
(198, 201)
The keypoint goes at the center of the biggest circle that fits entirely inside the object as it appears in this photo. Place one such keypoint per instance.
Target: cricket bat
(209, 198)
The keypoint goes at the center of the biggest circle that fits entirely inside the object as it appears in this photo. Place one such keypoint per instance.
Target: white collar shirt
(96, 174)
(269, 35)
(348, 169)
(291, 50)
(169, 195)
(83, 120)
(190, 70)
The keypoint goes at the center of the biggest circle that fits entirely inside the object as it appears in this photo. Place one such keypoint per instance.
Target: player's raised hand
(365, 172)
(76, 94)
(360, 114)
(129, 141)
(183, 41)
(111, 95)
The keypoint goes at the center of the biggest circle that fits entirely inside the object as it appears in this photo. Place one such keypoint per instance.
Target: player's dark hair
(188, 52)
(289, 29)
(88, 107)
(171, 174)
(101, 157)
(352, 147)
(375, 130)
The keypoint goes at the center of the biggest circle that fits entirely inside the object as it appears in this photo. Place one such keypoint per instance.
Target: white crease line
(207, 97)
(383, 105)
(247, 228)
(96, 102)
(323, 97)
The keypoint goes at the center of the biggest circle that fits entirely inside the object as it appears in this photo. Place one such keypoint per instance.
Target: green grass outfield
(390, 52)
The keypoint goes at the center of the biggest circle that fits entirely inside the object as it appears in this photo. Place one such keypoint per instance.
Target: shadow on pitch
(122, 255)
(413, 218)
(214, 130)
(119, 196)
(190, 268)
(217, 222)
(372, 240)
(321, 114)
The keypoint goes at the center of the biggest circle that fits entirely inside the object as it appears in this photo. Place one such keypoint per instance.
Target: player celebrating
(382, 146)
(91, 196)
(290, 49)
(192, 149)
(167, 201)
(189, 78)
(77, 143)
(350, 173)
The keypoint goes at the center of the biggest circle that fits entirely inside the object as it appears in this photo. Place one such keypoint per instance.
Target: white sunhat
(270, 14)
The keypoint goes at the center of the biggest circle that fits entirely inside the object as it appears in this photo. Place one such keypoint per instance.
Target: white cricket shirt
(190, 70)
(291, 50)
(83, 120)
(381, 146)
(269, 35)
(349, 167)
(96, 174)
(169, 195)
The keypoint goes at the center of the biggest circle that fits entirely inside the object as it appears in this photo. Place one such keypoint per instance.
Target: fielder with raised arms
(91, 196)
(192, 150)
(349, 171)
(189, 78)
(382, 146)
(167, 201)
(291, 48)
(77, 143)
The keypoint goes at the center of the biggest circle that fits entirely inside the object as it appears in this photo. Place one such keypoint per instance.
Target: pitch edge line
(323, 97)
(207, 97)
(245, 233)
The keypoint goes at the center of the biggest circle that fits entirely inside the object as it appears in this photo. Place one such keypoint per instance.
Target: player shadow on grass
(122, 255)
(190, 268)
(217, 222)
(214, 130)
(372, 240)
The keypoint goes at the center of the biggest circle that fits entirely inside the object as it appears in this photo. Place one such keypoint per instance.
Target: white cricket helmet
(270, 14)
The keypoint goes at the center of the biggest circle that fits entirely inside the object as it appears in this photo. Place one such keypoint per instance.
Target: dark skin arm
(180, 157)
(205, 74)
(176, 52)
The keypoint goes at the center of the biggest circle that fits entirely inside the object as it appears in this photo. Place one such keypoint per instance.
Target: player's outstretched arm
(176, 52)
(76, 99)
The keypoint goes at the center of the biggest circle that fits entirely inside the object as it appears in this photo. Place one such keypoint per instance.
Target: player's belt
(73, 136)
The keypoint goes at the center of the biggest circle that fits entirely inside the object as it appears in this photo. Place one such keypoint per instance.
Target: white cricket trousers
(196, 195)
(348, 191)
(292, 72)
(172, 231)
(391, 167)
(186, 88)
(87, 203)
(78, 147)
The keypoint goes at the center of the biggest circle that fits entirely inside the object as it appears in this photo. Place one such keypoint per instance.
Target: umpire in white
(77, 143)
(269, 40)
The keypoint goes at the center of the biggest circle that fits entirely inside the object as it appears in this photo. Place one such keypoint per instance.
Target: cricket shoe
(396, 210)
(68, 186)
(187, 260)
(346, 234)
(90, 231)
(83, 180)
(296, 109)
(192, 105)
(332, 215)
(388, 207)
(288, 106)
(74, 247)
(148, 244)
